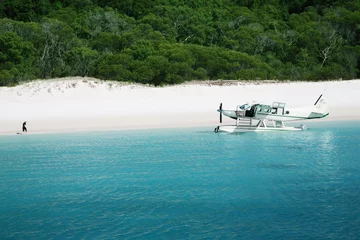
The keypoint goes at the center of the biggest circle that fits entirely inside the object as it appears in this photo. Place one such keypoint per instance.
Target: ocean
(188, 183)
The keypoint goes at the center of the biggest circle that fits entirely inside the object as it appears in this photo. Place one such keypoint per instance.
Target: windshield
(245, 107)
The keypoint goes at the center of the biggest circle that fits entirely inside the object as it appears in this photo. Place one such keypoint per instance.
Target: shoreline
(134, 128)
(87, 104)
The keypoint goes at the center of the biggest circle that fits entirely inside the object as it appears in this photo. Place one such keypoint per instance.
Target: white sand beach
(88, 104)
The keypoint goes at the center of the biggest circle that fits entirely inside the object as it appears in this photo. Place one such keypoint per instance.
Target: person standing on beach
(24, 129)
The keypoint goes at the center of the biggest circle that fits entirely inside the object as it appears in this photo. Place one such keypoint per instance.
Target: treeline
(171, 41)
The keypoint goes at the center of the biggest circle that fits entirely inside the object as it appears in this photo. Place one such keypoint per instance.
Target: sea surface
(188, 183)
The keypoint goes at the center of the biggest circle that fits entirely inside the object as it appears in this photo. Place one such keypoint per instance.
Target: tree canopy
(163, 42)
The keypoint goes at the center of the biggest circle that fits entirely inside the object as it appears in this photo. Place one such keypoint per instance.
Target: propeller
(220, 108)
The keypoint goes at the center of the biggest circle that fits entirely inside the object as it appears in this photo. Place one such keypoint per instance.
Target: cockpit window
(245, 107)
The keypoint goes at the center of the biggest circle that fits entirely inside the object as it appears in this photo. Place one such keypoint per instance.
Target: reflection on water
(326, 141)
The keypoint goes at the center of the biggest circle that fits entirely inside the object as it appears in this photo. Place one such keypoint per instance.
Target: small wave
(277, 165)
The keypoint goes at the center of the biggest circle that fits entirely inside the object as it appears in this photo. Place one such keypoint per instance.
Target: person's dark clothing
(24, 127)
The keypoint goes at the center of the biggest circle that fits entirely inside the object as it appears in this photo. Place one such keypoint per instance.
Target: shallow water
(181, 184)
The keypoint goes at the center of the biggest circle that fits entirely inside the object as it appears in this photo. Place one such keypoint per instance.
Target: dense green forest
(164, 42)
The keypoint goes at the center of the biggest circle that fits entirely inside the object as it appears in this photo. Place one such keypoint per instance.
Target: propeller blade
(220, 108)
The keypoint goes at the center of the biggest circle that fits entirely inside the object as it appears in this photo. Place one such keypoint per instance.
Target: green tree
(323, 40)
(57, 39)
(115, 67)
(159, 66)
(217, 39)
(15, 58)
(107, 42)
(25, 10)
(80, 60)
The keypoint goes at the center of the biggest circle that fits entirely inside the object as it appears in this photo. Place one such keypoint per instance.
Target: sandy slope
(77, 104)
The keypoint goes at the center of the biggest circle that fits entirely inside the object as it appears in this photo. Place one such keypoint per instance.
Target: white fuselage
(276, 114)
(279, 115)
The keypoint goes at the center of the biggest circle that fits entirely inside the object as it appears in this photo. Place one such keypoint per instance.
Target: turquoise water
(182, 184)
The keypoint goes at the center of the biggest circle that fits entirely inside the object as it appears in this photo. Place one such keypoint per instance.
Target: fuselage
(276, 112)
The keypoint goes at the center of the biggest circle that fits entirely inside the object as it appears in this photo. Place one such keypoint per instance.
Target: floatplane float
(262, 117)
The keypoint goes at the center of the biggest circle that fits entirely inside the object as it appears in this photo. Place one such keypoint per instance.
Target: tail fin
(322, 106)
(317, 100)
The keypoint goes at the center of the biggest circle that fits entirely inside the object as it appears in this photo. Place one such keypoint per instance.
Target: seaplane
(263, 117)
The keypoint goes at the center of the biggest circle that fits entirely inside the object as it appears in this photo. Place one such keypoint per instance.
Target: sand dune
(86, 104)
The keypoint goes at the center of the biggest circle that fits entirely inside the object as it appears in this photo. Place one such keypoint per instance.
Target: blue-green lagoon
(186, 183)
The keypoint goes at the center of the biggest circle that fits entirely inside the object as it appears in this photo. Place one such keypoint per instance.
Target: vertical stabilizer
(322, 106)
(317, 100)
